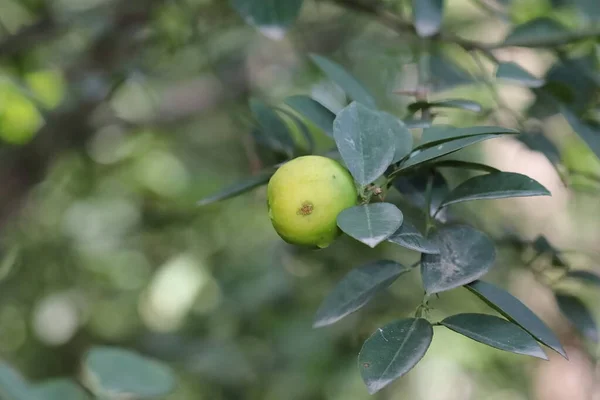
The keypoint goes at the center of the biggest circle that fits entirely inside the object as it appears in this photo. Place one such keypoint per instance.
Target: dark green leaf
(413, 187)
(427, 16)
(273, 128)
(589, 9)
(12, 384)
(579, 315)
(466, 165)
(237, 189)
(495, 332)
(509, 306)
(512, 72)
(585, 276)
(356, 289)
(272, 17)
(466, 254)
(539, 142)
(120, 374)
(347, 82)
(392, 351)
(445, 133)
(590, 133)
(366, 140)
(447, 74)
(536, 33)
(409, 236)
(370, 223)
(60, 389)
(497, 185)
(452, 103)
(314, 111)
(420, 156)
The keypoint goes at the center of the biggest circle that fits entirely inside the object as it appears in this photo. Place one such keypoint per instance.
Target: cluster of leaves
(107, 373)
(378, 149)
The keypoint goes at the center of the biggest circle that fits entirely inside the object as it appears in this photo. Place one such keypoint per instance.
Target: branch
(387, 18)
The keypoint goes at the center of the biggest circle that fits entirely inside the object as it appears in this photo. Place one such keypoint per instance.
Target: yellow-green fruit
(305, 197)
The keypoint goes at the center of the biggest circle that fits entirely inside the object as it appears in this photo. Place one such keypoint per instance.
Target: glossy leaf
(314, 111)
(585, 277)
(272, 17)
(497, 185)
(409, 236)
(513, 73)
(466, 254)
(452, 103)
(12, 385)
(343, 79)
(403, 140)
(420, 156)
(466, 165)
(370, 223)
(392, 351)
(445, 133)
(427, 16)
(418, 123)
(121, 374)
(302, 129)
(587, 131)
(512, 308)
(536, 33)
(59, 389)
(272, 127)
(237, 189)
(413, 188)
(366, 141)
(579, 315)
(495, 332)
(356, 289)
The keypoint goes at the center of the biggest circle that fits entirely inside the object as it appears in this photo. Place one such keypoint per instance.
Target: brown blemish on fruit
(306, 209)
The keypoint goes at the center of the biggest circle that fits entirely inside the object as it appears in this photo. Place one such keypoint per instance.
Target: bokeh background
(116, 117)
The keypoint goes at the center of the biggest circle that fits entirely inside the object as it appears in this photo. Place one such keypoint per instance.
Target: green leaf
(370, 223)
(419, 156)
(392, 351)
(510, 307)
(452, 103)
(446, 73)
(465, 165)
(273, 128)
(590, 133)
(356, 289)
(418, 123)
(445, 133)
(495, 332)
(536, 33)
(347, 82)
(402, 138)
(513, 73)
(497, 185)
(59, 389)
(579, 315)
(121, 374)
(12, 384)
(237, 189)
(589, 9)
(409, 236)
(427, 16)
(304, 131)
(584, 276)
(366, 140)
(272, 17)
(466, 254)
(413, 188)
(314, 111)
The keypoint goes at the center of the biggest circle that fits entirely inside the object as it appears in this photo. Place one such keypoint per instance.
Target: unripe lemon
(305, 197)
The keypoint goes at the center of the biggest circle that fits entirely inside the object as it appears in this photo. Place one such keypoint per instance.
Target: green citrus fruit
(305, 197)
